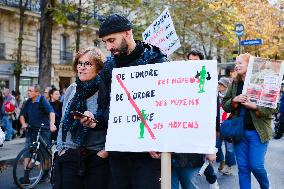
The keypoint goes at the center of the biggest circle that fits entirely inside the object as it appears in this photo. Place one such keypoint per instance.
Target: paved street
(275, 168)
(6, 181)
(11, 149)
(7, 153)
(273, 161)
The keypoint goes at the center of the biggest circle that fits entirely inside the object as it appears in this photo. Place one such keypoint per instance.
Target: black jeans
(210, 174)
(134, 172)
(83, 169)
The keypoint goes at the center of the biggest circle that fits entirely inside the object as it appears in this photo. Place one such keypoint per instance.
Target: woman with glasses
(251, 149)
(82, 161)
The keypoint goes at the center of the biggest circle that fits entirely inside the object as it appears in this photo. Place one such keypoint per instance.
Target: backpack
(9, 107)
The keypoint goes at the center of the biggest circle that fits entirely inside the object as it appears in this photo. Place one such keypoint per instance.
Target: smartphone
(80, 115)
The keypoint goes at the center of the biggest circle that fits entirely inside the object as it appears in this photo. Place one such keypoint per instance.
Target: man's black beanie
(114, 24)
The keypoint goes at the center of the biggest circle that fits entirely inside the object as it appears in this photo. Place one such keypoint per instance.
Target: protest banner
(166, 107)
(263, 81)
(161, 33)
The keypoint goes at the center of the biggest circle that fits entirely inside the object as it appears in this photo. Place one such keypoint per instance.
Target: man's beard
(122, 50)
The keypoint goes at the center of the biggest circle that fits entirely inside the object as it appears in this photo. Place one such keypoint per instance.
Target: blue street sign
(239, 29)
(251, 42)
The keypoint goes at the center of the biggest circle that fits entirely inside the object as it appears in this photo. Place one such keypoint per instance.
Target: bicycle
(36, 161)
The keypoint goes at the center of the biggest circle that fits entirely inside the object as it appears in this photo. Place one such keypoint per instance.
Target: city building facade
(63, 46)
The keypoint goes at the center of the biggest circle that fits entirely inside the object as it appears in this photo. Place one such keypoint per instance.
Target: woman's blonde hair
(245, 57)
(95, 55)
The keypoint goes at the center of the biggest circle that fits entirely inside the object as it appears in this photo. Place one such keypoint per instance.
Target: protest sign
(161, 33)
(166, 107)
(263, 81)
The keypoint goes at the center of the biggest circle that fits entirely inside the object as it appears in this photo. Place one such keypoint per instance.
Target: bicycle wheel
(35, 162)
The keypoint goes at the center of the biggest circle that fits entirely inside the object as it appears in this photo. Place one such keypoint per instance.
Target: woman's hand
(88, 120)
(250, 105)
(240, 98)
(245, 101)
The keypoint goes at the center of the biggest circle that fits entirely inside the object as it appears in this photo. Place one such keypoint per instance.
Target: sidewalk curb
(8, 160)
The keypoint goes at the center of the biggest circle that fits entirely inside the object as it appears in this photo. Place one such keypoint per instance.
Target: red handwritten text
(160, 103)
(155, 36)
(158, 126)
(183, 125)
(184, 102)
(177, 102)
(179, 80)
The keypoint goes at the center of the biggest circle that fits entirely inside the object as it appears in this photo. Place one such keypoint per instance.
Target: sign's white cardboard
(178, 100)
(161, 33)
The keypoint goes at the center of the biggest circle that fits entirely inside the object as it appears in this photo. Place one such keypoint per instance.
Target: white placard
(263, 81)
(161, 33)
(180, 111)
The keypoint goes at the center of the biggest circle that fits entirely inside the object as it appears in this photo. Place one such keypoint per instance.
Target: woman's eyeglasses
(86, 64)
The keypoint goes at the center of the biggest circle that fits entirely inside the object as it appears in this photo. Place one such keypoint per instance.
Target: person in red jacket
(7, 110)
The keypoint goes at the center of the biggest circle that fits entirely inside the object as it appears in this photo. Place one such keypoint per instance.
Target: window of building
(2, 44)
(1, 32)
(65, 53)
(25, 82)
(4, 84)
(64, 42)
(37, 45)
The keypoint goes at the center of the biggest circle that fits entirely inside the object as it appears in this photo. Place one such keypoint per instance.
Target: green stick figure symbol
(142, 126)
(202, 74)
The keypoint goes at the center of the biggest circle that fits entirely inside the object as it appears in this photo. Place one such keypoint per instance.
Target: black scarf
(84, 90)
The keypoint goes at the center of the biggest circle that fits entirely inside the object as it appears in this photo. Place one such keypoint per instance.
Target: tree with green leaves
(263, 20)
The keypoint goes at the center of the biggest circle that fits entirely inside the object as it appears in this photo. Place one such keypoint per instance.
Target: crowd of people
(13, 105)
(82, 161)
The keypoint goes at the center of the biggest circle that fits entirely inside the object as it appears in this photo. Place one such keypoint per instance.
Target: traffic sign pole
(239, 51)
(239, 30)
